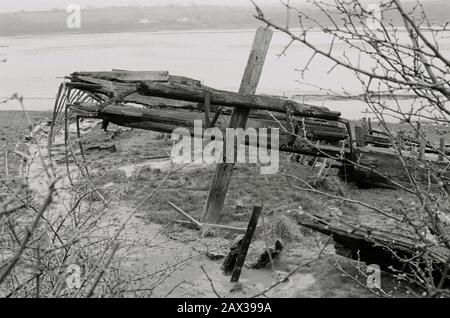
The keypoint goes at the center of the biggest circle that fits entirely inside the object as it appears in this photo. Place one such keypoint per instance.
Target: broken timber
(385, 246)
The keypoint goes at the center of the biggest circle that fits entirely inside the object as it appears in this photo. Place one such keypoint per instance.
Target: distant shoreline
(234, 29)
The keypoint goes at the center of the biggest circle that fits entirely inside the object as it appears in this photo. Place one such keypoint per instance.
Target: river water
(37, 64)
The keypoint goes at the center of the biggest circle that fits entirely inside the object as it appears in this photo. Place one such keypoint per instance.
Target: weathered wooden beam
(249, 101)
(252, 73)
(127, 76)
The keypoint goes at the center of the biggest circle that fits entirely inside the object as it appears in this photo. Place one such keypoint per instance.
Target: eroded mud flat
(166, 258)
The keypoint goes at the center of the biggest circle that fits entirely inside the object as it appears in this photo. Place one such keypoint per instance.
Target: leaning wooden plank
(190, 218)
(252, 73)
(203, 225)
(252, 224)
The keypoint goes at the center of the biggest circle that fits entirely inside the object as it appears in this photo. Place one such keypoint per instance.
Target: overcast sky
(17, 5)
(31, 5)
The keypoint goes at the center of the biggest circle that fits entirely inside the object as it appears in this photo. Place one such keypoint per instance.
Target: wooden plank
(190, 218)
(245, 244)
(160, 102)
(113, 87)
(222, 176)
(127, 76)
(199, 225)
(377, 139)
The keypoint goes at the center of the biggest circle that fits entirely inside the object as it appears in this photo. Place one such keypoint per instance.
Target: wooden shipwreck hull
(162, 102)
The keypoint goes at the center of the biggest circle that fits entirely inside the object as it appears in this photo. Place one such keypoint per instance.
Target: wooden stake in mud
(365, 126)
(369, 123)
(359, 136)
(441, 148)
(418, 130)
(250, 80)
(422, 147)
(245, 244)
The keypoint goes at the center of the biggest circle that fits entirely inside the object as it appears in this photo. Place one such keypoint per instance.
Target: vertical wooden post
(222, 176)
(364, 126)
(422, 147)
(369, 122)
(399, 139)
(6, 163)
(359, 136)
(207, 110)
(441, 148)
(418, 131)
(245, 244)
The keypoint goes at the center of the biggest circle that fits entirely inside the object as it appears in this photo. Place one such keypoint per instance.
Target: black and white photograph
(223, 155)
